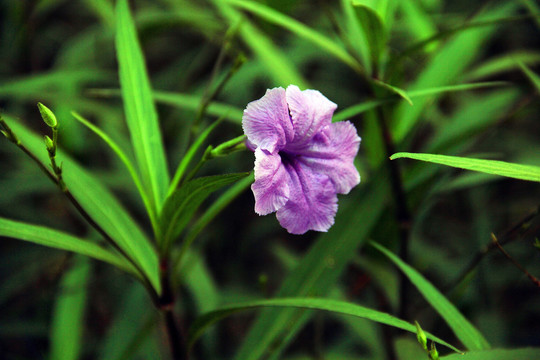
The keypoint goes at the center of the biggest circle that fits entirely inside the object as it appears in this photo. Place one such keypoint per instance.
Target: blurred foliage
(370, 59)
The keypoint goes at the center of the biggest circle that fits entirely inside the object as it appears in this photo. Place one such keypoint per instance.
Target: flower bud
(421, 336)
(47, 115)
(49, 144)
(433, 353)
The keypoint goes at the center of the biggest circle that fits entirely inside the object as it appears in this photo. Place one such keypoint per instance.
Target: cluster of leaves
(424, 76)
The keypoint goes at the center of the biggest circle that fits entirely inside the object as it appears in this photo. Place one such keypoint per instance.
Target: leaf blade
(335, 306)
(463, 329)
(141, 114)
(495, 167)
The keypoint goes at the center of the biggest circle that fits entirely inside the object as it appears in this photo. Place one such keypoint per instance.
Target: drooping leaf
(495, 167)
(318, 270)
(463, 329)
(101, 206)
(141, 114)
(60, 240)
(299, 29)
(533, 77)
(182, 204)
(335, 306)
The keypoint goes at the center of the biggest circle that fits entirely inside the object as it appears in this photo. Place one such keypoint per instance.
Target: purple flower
(302, 159)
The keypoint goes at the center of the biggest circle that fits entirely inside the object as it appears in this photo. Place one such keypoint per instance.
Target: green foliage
(416, 77)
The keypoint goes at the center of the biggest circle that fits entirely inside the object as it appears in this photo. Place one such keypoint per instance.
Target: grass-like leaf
(141, 114)
(463, 329)
(299, 29)
(318, 270)
(497, 354)
(101, 206)
(127, 162)
(533, 77)
(495, 167)
(282, 70)
(503, 63)
(335, 306)
(56, 239)
(182, 204)
(68, 316)
(374, 29)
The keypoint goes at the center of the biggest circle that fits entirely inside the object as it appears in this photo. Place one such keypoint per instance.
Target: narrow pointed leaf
(182, 204)
(533, 77)
(101, 205)
(141, 114)
(495, 167)
(463, 329)
(60, 240)
(124, 158)
(68, 323)
(334, 306)
(497, 354)
(299, 29)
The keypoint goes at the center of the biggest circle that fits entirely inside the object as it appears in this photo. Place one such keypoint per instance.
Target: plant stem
(514, 261)
(57, 180)
(403, 216)
(166, 306)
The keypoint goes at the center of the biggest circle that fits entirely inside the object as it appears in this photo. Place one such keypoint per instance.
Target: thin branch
(514, 261)
(57, 180)
(507, 237)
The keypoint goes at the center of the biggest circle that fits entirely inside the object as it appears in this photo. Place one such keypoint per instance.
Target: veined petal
(271, 186)
(332, 152)
(310, 110)
(266, 121)
(312, 203)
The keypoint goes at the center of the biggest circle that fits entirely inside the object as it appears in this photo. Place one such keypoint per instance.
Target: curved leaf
(335, 306)
(495, 167)
(497, 354)
(182, 204)
(60, 240)
(463, 329)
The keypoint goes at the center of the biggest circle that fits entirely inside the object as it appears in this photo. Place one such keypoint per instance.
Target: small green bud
(49, 143)
(433, 353)
(421, 336)
(47, 115)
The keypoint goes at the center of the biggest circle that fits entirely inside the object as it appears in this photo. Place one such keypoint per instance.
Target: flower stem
(403, 215)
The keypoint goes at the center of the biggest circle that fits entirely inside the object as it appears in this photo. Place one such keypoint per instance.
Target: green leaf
(533, 77)
(281, 69)
(184, 101)
(299, 29)
(374, 29)
(371, 104)
(400, 92)
(182, 204)
(141, 114)
(68, 315)
(101, 205)
(334, 306)
(460, 51)
(318, 270)
(502, 168)
(127, 162)
(59, 240)
(462, 328)
(497, 354)
(186, 160)
(503, 63)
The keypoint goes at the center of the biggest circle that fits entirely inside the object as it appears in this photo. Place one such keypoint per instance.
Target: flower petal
(266, 121)
(312, 201)
(271, 188)
(332, 152)
(310, 110)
